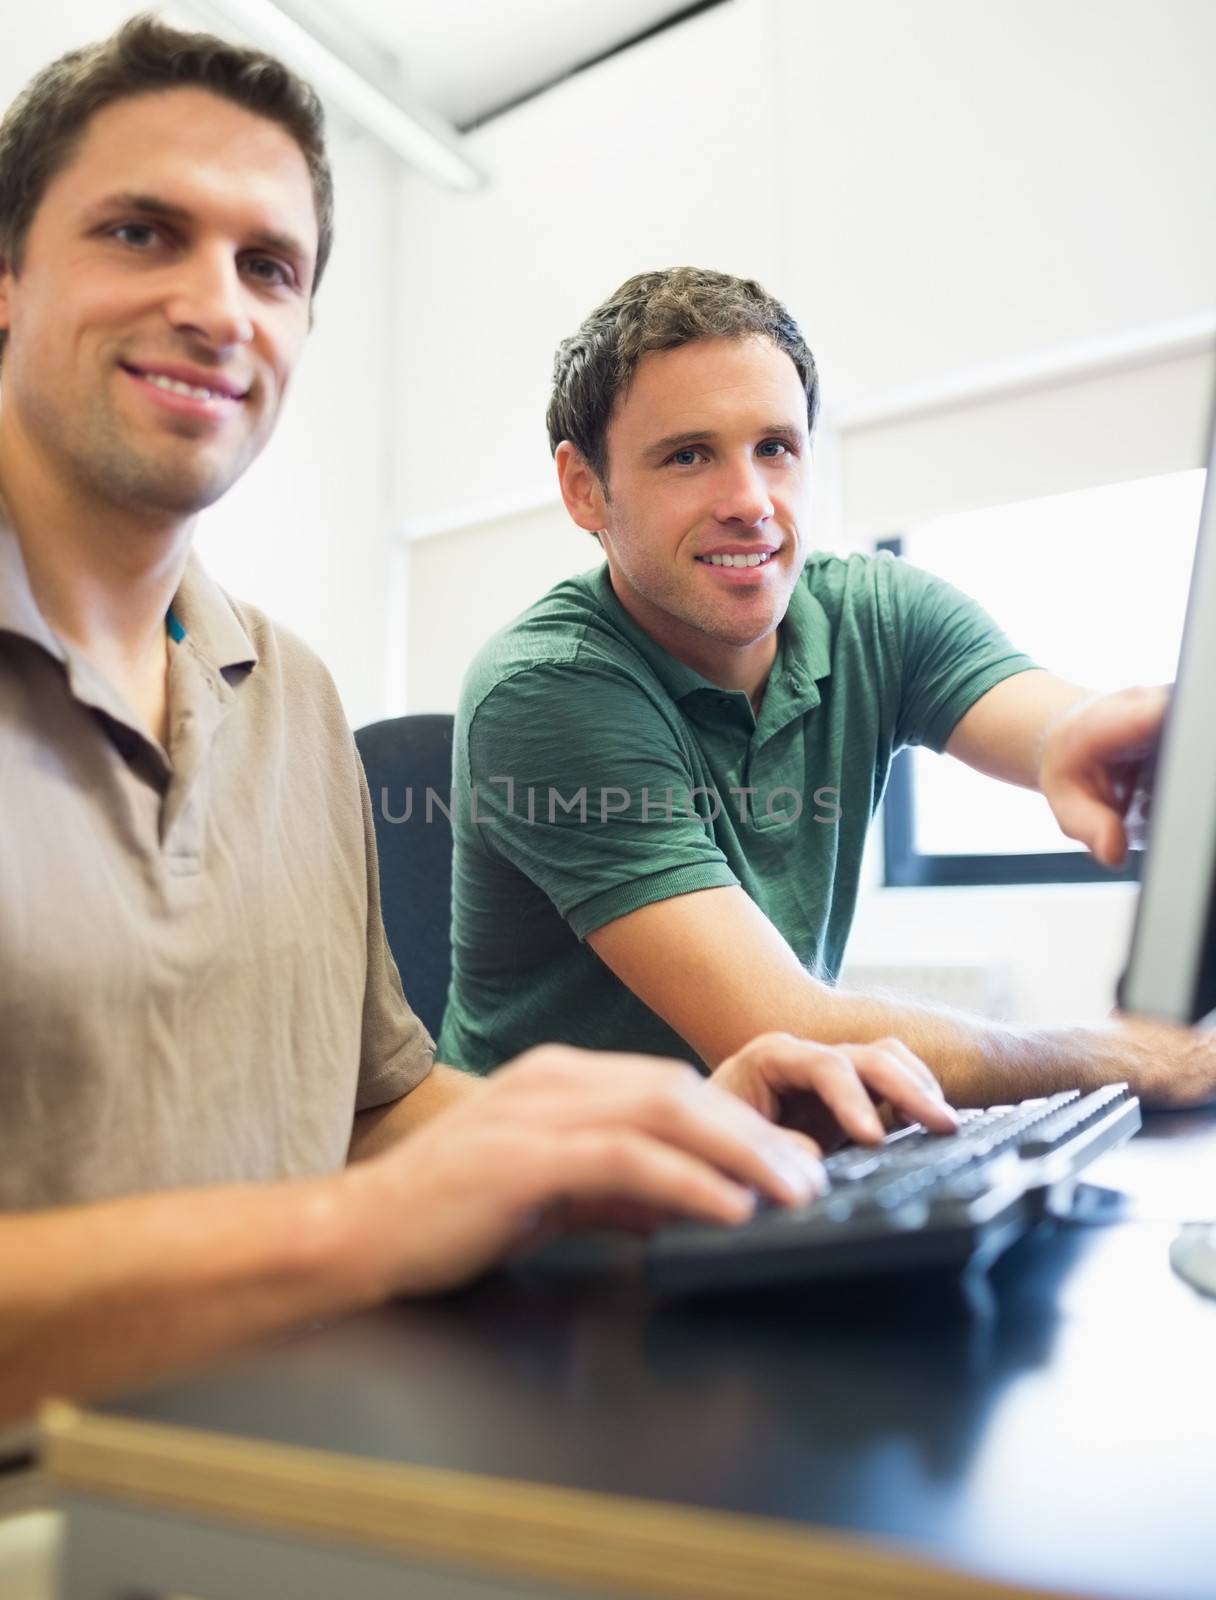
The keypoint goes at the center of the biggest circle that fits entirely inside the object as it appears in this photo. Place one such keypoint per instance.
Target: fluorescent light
(419, 137)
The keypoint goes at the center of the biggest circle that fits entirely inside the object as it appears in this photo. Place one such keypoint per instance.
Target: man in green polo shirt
(665, 769)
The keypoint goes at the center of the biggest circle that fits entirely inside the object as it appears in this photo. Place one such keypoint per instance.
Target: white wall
(307, 535)
(1056, 950)
(1076, 433)
(41, 33)
(991, 180)
(624, 167)
(498, 567)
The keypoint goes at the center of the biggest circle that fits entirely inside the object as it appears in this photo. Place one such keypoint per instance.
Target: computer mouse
(1193, 1256)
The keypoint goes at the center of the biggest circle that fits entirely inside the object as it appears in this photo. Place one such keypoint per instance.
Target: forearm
(713, 967)
(100, 1297)
(1004, 733)
(381, 1126)
(976, 1061)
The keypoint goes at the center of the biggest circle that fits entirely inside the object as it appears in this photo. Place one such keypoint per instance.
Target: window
(1093, 586)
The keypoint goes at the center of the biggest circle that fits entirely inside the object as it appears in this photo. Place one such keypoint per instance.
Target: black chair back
(405, 757)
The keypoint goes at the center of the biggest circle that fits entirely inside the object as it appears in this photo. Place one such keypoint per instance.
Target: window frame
(906, 867)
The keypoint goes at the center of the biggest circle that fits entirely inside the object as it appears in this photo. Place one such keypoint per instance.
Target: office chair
(403, 758)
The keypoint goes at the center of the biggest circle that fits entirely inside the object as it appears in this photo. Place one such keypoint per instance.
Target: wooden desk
(884, 1441)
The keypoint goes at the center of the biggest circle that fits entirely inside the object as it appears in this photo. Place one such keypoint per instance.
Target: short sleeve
(581, 782)
(397, 1052)
(951, 650)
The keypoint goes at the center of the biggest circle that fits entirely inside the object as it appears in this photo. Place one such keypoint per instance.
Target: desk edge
(610, 1543)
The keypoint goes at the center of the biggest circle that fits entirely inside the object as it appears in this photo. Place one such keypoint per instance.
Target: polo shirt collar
(675, 677)
(20, 614)
(200, 606)
(804, 656)
(210, 620)
(808, 632)
(19, 611)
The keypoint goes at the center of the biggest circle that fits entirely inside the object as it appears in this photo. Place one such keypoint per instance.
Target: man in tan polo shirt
(218, 1115)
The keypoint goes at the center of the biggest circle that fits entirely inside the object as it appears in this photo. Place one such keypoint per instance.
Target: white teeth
(175, 386)
(752, 560)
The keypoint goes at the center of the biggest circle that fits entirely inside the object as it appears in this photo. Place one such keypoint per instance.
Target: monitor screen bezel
(1171, 968)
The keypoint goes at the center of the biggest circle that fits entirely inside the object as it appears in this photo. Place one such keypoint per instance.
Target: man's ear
(582, 491)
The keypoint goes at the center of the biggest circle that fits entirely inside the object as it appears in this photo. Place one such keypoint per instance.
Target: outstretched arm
(1084, 751)
(1004, 734)
(716, 970)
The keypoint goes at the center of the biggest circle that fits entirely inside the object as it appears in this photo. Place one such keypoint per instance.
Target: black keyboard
(917, 1200)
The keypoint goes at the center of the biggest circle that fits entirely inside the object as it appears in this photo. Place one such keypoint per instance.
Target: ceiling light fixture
(420, 138)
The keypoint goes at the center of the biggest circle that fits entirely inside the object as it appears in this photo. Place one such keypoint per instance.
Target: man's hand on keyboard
(565, 1137)
(829, 1092)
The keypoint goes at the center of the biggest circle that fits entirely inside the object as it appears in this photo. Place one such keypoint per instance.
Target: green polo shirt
(595, 774)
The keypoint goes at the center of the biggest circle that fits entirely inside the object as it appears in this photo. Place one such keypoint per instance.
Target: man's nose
(208, 300)
(743, 494)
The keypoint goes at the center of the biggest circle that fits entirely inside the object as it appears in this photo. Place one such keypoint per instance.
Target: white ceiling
(465, 58)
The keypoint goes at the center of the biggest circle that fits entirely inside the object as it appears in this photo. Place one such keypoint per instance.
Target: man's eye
(774, 449)
(138, 235)
(267, 270)
(685, 458)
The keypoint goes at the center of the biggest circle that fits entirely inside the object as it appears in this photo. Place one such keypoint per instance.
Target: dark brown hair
(659, 311)
(43, 127)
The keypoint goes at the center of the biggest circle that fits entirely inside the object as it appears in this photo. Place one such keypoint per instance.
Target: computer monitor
(1171, 971)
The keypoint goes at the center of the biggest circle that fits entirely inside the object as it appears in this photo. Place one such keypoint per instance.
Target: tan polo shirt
(194, 981)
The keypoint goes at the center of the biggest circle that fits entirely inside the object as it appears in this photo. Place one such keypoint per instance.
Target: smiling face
(161, 303)
(704, 515)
